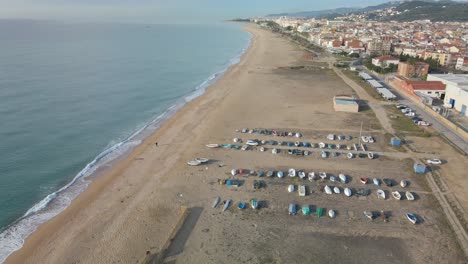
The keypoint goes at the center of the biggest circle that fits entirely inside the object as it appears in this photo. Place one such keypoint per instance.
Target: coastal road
(440, 127)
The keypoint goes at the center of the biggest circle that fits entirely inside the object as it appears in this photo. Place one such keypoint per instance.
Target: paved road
(448, 132)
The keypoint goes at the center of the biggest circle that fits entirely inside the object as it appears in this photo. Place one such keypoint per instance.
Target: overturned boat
(331, 213)
(337, 190)
(328, 190)
(348, 192)
(342, 177)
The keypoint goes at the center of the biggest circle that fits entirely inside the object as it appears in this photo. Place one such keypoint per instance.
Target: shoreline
(99, 176)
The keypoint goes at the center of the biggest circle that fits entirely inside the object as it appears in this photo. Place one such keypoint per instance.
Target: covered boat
(363, 192)
(342, 177)
(412, 218)
(291, 188)
(348, 192)
(292, 172)
(216, 201)
(396, 195)
(331, 213)
(328, 190)
(409, 196)
(381, 194)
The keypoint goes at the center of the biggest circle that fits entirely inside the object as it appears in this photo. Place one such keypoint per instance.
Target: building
(433, 88)
(417, 69)
(379, 46)
(456, 91)
(385, 61)
(345, 103)
(444, 58)
(462, 63)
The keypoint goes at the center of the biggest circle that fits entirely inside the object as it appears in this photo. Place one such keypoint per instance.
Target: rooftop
(427, 85)
(459, 79)
(386, 57)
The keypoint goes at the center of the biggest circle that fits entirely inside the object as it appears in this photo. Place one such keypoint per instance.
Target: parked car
(423, 123)
(434, 161)
(405, 110)
(401, 106)
(410, 114)
(416, 119)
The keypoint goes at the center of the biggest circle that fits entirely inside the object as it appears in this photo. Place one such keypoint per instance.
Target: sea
(74, 97)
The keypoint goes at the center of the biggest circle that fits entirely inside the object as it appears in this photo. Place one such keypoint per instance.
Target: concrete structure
(456, 90)
(345, 103)
(378, 46)
(385, 61)
(417, 69)
(462, 63)
(428, 88)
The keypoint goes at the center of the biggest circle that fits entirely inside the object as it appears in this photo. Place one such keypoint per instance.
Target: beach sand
(135, 206)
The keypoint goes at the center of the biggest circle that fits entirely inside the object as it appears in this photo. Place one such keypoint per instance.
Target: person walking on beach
(156, 144)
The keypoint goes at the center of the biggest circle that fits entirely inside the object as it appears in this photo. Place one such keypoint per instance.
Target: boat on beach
(302, 174)
(292, 172)
(292, 209)
(202, 160)
(381, 194)
(350, 155)
(348, 192)
(331, 213)
(369, 214)
(388, 182)
(226, 205)
(301, 190)
(234, 172)
(333, 178)
(270, 173)
(363, 180)
(363, 192)
(342, 177)
(274, 151)
(328, 190)
(323, 175)
(312, 176)
(254, 204)
(216, 201)
(337, 190)
(306, 209)
(252, 142)
(409, 196)
(412, 218)
(396, 195)
(280, 174)
(291, 188)
(403, 183)
(241, 205)
(321, 145)
(194, 163)
(212, 145)
(376, 181)
(370, 155)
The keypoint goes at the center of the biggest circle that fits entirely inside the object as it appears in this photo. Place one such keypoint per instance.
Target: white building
(385, 61)
(456, 91)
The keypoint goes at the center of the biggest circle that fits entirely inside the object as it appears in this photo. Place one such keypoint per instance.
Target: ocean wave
(12, 237)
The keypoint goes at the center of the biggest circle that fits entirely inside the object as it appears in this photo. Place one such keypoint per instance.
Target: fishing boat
(348, 192)
(270, 173)
(280, 174)
(350, 155)
(337, 190)
(342, 177)
(370, 155)
(216, 201)
(321, 145)
(331, 137)
(291, 188)
(328, 190)
(369, 214)
(365, 139)
(363, 180)
(237, 140)
(306, 153)
(388, 182)
(323, 154)
(254, 204)
(331, 213)
(412, 218)
(292, 172)
(297, 143)
(226, 205)
(305, 209)
(396, 195)
(234, 172)
(323, 175)
(371, 139)
(301, 190)
(302, 174)
(381, 194)
(403, 183)
(202, 160)
(252, 142)
(262, 149)
(241, 205)
(212, 145)
(333, 178)
(274, 151)
(292, 209)
(376, 181)
(194, 163)
(409, 196)
(363, 192)
(312, 176)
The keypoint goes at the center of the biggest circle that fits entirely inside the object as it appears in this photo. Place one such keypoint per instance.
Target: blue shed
(419, 168)
(394, 141)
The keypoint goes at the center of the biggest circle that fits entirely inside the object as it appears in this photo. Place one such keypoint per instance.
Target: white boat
(321, 145)
(291, 188)
(298, 135)
(292, 172)
(245, 147)
(328, 190)
(336, 190)
(226, 205)
(323, 175)
(237, 140)
(194, 163)
(348, 192)
(233, 172)
(306, 153)
(369, 214)
(312, 176)
(280, 174)
(409, 196)
(365, 139)
(270, 173)
(302, 174)
(371, 139)
(323, 154)
(333, 178)
(331, 213)
(252, 142)
(380, 194)
(331, 137)
(302, 190)
(262, 149)
(350, 155)
(274, 151)
(396, 195)
(202, 160)
(342, 177)
(212, 145)
(403, 183)
(370, 155)
(263, 142)
(376, 181)
(412, 218)
(297, 143)
(216, 201)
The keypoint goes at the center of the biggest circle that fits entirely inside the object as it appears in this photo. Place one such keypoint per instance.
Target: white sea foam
(12, 237)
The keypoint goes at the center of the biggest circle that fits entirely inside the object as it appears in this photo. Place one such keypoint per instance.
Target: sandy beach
(134, 206)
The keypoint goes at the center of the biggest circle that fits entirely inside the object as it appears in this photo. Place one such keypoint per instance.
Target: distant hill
(435, 11)
(317, 13)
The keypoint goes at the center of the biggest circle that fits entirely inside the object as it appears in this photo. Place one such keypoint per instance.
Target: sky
(162, 11)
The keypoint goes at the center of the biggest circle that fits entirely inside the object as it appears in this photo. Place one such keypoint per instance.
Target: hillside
(435, 11)
(317, 13)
